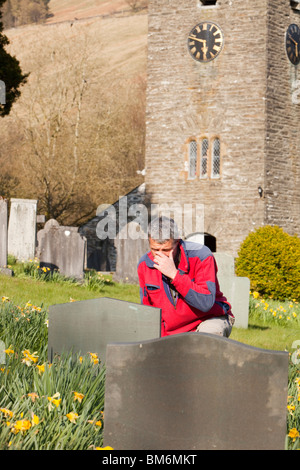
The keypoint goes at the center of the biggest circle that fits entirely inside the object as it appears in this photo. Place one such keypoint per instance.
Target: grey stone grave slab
(3, 232)
(62, 248)
(225, 263)
(236, 290)
(129, 249)
(195, 391)
(89, 325)
(2, 353)
(22, 229)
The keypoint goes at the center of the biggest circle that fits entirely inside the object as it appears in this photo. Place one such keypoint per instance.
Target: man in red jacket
(180, 278)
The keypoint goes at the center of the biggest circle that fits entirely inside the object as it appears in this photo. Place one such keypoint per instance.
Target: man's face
(165, 247)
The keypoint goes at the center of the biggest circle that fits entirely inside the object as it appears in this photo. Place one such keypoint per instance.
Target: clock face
(292, 43)
(205, 41)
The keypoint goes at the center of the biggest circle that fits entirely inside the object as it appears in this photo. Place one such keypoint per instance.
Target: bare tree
(81, 132)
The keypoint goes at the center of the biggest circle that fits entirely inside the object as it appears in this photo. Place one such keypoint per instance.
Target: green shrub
(270, 258)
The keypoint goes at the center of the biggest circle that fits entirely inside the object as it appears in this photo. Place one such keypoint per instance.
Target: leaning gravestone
(89, 325)
(131, 243)
(62, 248)
(195, 391)
(3, 232)
(22, 229)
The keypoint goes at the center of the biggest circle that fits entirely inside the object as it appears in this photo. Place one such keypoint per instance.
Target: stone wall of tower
(229, 97)
(282, 168)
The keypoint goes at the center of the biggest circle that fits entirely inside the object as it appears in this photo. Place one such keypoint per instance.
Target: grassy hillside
(117, 43)
(65, 10)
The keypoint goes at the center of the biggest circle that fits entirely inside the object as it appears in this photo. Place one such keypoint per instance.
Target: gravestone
(3, 232)
(2, 353)
(22, 229)
(195, 391)
(131, 243)
(89, 325)
(236, 289)
(62, 248)
(225, 263)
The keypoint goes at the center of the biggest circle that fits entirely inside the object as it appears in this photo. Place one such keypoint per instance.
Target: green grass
(263, 331)
(20, 291)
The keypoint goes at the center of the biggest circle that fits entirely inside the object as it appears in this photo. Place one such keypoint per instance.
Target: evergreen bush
(270, 258)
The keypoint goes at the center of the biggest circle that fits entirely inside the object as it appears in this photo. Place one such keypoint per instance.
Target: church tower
(223, 112)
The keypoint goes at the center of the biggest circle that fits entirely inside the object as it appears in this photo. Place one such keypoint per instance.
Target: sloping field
(67, 10)
(117, 46)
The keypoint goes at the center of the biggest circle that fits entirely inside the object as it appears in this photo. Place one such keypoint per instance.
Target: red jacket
(199, 296)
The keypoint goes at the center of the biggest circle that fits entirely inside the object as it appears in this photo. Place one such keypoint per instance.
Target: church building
(223, 113)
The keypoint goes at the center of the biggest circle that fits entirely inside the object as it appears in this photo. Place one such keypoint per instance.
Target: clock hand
(295, 42)
(196, 39)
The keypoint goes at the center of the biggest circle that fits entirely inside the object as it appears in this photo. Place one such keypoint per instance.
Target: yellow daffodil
(9, 351)
(29, 358)
(104, 448)
(21, 425)
(55, 400)
(72, 417)
(41, 368)
(33, 396)
(293, 434)
(78, 396)
(94, 358)
(6, 412)
(35, 420)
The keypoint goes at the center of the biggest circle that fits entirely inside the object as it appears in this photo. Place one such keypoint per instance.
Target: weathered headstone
(22, 229)
(89, 325)
(195, 391)
(236, 289)
(225, 263)
(62, 248)
(2, 353)
(131, 243)
(3, 232)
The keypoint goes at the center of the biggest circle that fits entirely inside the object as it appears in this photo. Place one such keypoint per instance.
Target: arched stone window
(203, 157)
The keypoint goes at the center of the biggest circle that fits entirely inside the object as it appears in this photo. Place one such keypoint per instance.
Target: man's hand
(165, 264)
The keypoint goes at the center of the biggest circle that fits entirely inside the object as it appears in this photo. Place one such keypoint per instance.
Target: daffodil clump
(60, 406)
(45, 406)
(93, 280)
(282, 313)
